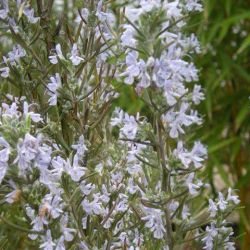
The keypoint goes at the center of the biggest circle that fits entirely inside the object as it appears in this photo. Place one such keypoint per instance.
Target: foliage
(223, 30)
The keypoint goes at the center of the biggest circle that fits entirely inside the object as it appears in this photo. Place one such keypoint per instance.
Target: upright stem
(165, 184)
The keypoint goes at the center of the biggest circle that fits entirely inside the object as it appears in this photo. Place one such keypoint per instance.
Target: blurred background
(224, 32)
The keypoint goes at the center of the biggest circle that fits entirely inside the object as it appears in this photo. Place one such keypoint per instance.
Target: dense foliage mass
(78, 172)
(223, 30)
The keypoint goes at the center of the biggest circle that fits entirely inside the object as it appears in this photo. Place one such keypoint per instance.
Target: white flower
(4, 157)
(48, 243)
(29, 13)
(133, 13)
(75, 59)
(84, 222)
(14, 55)
(162, 77)
(173, 10)
(13, 24)
(3, 169)
(123, 236)
(13, 195)
(30, 212)
(105, 196)
(94, 207)
(144, 77)
(5, 72)
(173, 205)
(10, 111)
(122, 205)
(170, 72)
(222, 203)
(190, 44)
(107, 221)
(148, 5)
(133, 165)
(193, 5)
(197, 95)
(27, 151)
(99, 168)
(178, 119)
(43, 158)
(181, 153)
(37, 223)
(135, 148)
(212, 208)
(185, 212)
(85, 13)
(127, 37)
(132, 188)
(117, 117)
(53, 204)
(60, 244)
(10, 197)
(67, 232)
(211, 233)
(86, 188)
(133, 67)
(75, 171)
(83, 246)
(54, 58)
(208, 242)
(80, 147)
(3, 13)
(53, 85)
(102, 16)
(58, 164)
(129, 128)
(155, 222)
(233, 198)
(229, 246)
(34, 116)
(196, 156)
(193, 188)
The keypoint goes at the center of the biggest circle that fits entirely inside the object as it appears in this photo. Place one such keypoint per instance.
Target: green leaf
(27, 123)
(242, 72)
(243, 114)
(216, 147)
(245, 44)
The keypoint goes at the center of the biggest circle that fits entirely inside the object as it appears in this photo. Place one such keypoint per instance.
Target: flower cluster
(83, 172)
